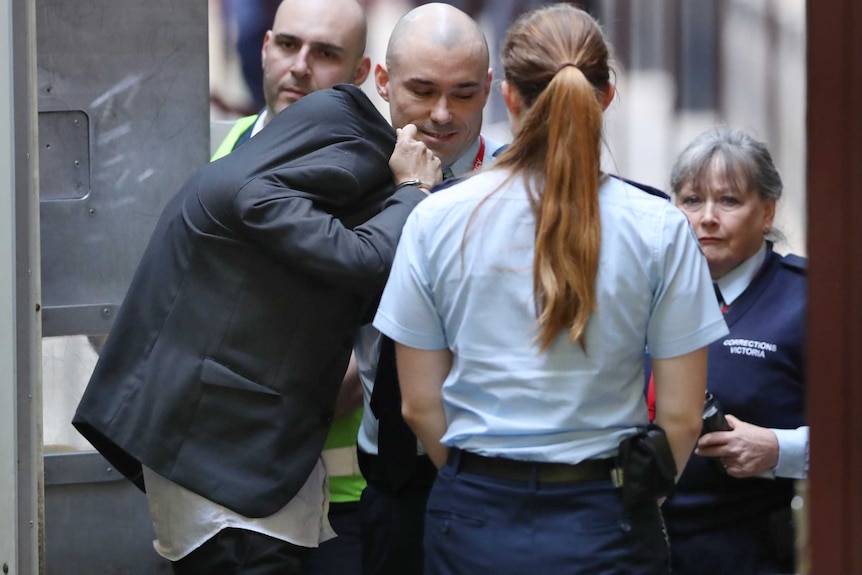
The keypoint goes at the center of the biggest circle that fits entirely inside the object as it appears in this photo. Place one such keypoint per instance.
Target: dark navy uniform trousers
(480, 524)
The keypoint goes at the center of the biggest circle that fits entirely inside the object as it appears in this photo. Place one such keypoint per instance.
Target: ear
(608, 96)
(768, 215)
(488, 79)
(381, 81)
(512, 99)
(361, 72)
(266, 39)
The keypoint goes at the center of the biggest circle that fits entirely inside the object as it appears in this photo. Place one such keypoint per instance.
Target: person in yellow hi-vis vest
(312, 46)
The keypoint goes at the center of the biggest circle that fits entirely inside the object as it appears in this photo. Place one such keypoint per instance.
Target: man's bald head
(437, 77)
(437, 24)
(312, 46)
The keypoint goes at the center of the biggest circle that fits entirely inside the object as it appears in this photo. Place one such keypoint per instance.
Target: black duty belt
(532, 471)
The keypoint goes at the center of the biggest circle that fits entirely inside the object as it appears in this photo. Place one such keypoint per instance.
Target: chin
(721, 269)
(443, 154)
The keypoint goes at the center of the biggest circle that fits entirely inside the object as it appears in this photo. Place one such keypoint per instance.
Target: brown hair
(557, 59)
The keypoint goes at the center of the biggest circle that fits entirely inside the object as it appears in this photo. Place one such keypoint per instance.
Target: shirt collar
(737, 280)
(259, 123)
(464, 164)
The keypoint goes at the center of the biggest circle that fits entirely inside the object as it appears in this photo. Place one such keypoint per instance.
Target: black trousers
(392, 531)
(239, 552)
(342, 555)
(761, 545)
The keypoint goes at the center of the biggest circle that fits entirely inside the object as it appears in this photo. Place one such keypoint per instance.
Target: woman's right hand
(412, 160)
(745, 451)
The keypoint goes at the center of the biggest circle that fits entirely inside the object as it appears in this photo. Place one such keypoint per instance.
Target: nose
(300, 66)
(709, 216)
(440, 113)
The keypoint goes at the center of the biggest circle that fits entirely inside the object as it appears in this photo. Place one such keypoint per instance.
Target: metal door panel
(134, 77)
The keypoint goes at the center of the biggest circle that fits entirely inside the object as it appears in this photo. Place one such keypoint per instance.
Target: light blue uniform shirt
(473, 294)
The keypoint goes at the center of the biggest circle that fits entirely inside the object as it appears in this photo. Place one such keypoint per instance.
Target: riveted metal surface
(123, 96)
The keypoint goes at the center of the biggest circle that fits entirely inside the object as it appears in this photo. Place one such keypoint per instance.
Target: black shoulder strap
(643, 187)
(446, 183)
(795, 262)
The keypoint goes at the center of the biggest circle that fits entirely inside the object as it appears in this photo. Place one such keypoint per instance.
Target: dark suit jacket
(221, 370)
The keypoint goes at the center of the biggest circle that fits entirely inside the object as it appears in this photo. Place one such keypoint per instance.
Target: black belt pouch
(645, 470)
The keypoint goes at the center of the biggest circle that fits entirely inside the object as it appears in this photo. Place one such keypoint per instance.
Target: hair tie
(565, 65)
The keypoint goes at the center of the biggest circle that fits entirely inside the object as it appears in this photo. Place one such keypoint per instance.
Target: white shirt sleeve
(792, 452)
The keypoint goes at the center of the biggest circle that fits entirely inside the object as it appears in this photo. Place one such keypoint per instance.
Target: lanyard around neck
(480, 155)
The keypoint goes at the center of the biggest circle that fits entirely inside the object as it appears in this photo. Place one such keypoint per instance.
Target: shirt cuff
(792, 452)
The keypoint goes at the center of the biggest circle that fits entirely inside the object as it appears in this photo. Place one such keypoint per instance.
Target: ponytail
(568, 227)
(558, 151)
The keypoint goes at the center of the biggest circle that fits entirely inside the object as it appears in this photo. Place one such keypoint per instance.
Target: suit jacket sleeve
(303, 236)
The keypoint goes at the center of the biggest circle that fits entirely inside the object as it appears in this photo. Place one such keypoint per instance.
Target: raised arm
(295, 229)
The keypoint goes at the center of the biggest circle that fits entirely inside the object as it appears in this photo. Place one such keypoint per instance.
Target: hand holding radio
(748, 451)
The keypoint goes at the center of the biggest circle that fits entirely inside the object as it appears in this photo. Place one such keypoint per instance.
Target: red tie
(720, 299)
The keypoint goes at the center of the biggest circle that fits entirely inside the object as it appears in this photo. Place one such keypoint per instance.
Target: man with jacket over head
(216, 386)
(312, 46)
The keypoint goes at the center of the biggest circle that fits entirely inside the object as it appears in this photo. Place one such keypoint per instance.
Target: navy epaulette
(795, 262)
(445, 184)
(645, 188)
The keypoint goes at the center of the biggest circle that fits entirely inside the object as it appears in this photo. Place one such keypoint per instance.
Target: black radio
(713, 416)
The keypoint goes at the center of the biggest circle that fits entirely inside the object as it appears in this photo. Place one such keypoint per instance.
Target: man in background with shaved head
(437, 77)
(311, 46)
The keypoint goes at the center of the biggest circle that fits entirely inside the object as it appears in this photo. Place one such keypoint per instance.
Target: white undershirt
(184, 520)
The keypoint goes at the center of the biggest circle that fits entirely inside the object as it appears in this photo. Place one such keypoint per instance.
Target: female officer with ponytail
(520, 300)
